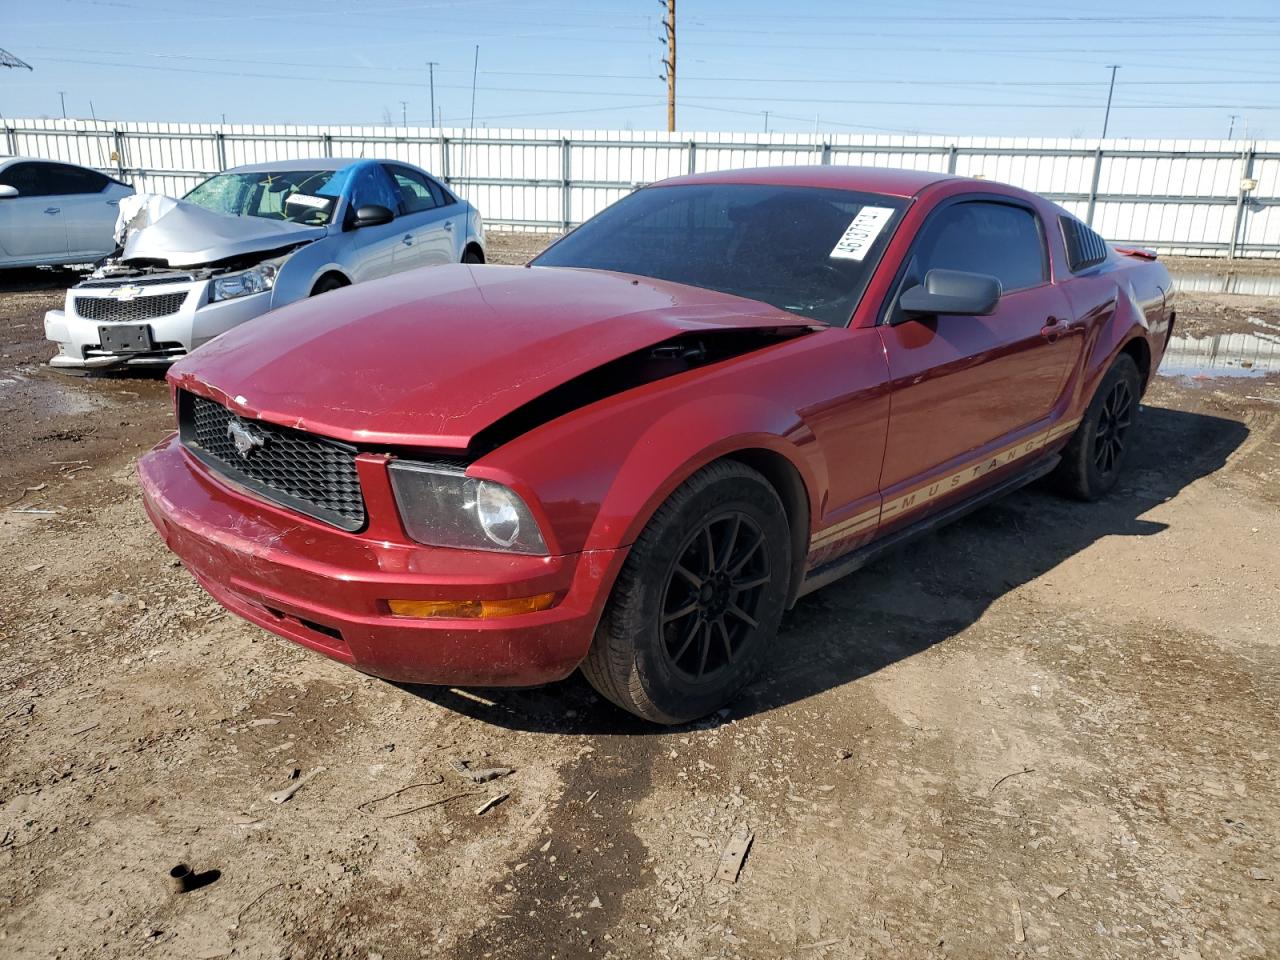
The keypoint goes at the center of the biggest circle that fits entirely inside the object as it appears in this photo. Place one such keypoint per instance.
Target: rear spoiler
(1142, 253)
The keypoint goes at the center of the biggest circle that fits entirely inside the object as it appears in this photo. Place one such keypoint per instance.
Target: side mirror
(372, 215)
(7, 192)
(950, 293)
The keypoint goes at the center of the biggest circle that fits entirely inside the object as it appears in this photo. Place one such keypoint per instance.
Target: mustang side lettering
(633, 454)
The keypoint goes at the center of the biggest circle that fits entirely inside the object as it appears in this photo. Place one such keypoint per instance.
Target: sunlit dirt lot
(1050, 730)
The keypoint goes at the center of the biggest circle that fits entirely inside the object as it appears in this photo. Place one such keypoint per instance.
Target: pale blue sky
(928, 66)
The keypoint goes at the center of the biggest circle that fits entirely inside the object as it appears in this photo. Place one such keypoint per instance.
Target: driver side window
(371, 185)
(1003, 240)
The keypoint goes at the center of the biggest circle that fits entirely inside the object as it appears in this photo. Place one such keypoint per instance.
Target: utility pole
(62, 95)
(1106, 118)
(670, 62)
(766, 121)
(431, 75)
(1231, 130)
(475, 72)
(404, 113)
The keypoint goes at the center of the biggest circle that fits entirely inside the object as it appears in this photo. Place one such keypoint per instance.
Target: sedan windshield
(303, 196)
(805, 250)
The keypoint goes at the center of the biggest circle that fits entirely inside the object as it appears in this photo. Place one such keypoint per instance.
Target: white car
(56, 213)
(251, 239)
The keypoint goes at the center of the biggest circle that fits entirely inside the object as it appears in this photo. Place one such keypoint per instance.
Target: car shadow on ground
(39, 279)
(913, 598)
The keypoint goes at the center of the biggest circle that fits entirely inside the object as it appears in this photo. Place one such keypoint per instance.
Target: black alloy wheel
(1116, 416)
(713, 594)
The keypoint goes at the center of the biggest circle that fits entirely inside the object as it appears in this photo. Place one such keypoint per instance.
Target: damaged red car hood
(433, 356)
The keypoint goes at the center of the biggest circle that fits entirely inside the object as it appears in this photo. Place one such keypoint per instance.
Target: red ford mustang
(633, 454)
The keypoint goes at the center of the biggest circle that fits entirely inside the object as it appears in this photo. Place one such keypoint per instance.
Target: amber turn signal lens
(470, 609)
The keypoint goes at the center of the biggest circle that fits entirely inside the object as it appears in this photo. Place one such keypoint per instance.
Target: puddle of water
(1226, 355)
(51, 394)
(1257, 284)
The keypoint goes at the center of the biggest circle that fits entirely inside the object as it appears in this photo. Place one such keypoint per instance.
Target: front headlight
(445, 508)
(258, 279)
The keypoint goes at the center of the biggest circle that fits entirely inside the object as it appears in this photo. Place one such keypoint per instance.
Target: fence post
(118, 140)
(11, 141)
(221, 144)
(693, 157)
(1093, 189)
(326, 141)
(1246, 172)
(826, 154)
(952, 152)
(566, 198)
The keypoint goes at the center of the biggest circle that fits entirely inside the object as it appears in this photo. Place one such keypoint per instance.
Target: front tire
(698, 601)
(1092, 461)
(327, 284)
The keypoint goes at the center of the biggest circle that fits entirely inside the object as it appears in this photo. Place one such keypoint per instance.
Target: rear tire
(1092, 461)
(472, 255)
(698, 601)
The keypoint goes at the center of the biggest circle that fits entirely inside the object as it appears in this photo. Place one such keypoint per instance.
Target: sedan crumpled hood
(431, 357)
(183, 234)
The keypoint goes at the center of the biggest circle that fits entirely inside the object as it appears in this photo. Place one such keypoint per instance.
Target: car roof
(313, 163)
(882, 180)
(8, 161)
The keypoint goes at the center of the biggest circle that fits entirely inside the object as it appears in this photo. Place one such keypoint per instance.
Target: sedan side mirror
(7, 192)
(950, 293)
(372, 215)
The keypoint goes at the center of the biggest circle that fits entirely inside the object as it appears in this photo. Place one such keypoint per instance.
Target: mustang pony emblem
(245, 438)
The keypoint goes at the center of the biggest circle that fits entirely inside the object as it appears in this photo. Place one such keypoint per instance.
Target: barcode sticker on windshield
(862, 233)
(306, 200)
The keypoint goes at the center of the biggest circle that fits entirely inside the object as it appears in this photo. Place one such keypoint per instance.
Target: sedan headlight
(257, 279)
(446, 508)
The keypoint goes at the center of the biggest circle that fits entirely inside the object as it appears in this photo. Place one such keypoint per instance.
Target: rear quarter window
(1085, 248)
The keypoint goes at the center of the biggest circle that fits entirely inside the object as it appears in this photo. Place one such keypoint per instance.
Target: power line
(842, 81)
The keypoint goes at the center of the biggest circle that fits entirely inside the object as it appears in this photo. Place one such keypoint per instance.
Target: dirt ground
(1050, 730)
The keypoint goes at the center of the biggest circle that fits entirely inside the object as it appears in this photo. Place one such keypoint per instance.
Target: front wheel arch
(330, 280)
(786, 481)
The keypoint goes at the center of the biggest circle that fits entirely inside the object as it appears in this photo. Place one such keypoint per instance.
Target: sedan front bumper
(173, 335)
(328, 590)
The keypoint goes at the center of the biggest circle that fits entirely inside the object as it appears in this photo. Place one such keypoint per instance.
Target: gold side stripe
(832, 534)
(846, 526)
(922, 495)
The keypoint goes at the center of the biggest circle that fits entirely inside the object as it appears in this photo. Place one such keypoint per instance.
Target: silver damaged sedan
(247, 241)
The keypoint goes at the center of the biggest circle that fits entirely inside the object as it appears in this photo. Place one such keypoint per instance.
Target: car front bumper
(79, 338)
(328, 590)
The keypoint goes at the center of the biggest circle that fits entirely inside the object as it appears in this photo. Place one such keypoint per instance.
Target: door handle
(113, 203)
(1050, 331)
(448, 224)
(52, 210)
(407, 240)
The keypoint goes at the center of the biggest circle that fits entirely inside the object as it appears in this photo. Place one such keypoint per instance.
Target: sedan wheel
(698, 601)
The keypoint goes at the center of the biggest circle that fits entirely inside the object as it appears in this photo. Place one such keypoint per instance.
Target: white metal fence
(1196, 197)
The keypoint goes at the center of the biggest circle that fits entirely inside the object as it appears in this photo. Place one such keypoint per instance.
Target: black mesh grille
(308, 474)
(1084, 247)
(110, 310)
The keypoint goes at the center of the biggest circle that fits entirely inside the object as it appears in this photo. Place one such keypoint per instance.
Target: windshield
(302, 196)
(806, 250)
